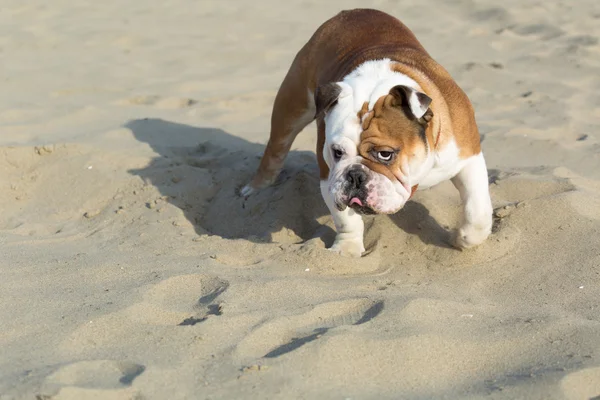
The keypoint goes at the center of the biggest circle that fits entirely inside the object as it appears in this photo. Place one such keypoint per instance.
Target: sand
(129, 268)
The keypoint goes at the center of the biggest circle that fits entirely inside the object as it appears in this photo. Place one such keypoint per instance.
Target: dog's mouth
(360, 206)
(355, 201)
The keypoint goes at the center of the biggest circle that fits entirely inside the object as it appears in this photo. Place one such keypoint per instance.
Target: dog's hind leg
(293, 110)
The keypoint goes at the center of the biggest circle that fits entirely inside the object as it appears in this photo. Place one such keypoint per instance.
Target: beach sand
(129, 268)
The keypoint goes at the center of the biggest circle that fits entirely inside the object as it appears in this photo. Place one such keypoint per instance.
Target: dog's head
(374, 155)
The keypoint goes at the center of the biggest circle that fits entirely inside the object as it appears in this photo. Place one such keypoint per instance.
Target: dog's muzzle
(357, 190)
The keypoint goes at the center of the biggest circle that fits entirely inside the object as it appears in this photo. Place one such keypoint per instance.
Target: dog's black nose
(356, 177)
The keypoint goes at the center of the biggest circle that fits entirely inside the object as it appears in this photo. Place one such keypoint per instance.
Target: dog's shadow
(200, 171)
(415, 219)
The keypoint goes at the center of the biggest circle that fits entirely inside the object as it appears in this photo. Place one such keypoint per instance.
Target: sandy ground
(129, 269)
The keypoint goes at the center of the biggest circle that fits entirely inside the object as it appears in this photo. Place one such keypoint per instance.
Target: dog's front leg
(349, 227)
(472, 183)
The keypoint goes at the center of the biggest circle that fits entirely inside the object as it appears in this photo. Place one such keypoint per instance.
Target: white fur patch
(446, 164)
(373, 79)
(341, 121)
(385, 196)
(472, 183)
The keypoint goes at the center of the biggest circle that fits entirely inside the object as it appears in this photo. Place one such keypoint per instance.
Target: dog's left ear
(417, 102)
(327, 95)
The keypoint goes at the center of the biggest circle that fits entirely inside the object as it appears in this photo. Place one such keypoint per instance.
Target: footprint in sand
(179, 300)
(541, 31)
(102, 379)
(280, 336)
(183, 300)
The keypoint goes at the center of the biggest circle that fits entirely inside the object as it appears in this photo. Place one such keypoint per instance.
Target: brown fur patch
(390, 129)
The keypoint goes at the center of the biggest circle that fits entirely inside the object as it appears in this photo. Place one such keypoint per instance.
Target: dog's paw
(246, 191)
(470, 236)
(255, 185)
(348, 247)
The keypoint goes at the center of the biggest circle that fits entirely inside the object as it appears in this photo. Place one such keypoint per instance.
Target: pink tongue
(356, 200)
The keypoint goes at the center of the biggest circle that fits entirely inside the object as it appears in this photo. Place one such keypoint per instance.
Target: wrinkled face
(376, 156)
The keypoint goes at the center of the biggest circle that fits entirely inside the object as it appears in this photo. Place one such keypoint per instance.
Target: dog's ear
(327, 95)
(416, 102)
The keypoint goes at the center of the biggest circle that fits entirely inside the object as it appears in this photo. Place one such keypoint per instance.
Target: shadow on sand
(200, 171)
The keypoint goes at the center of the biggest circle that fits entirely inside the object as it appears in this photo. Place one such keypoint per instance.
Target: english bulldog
(389, 120)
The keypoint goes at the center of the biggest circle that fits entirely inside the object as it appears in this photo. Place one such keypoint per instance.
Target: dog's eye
(385, 155)
(337, 153)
